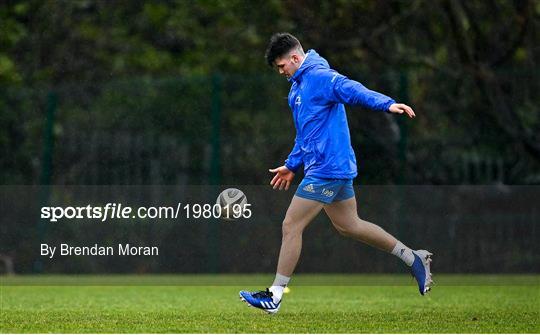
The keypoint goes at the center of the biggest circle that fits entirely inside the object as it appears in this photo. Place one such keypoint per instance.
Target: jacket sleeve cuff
(388, 104)
(290, 167)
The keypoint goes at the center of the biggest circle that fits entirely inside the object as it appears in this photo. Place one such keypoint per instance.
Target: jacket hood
(312, 60)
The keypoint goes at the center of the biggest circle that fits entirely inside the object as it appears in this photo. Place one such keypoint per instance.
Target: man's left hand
(400, 109)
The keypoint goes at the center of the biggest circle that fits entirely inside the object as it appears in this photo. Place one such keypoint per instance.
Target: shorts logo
(298, 100)
(327, 193)
(309, 188)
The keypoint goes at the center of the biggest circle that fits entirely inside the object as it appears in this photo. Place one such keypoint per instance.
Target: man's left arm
(344, 90)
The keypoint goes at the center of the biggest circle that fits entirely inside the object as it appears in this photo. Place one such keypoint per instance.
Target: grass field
(198, 304)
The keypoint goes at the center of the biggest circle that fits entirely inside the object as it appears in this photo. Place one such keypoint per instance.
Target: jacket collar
(303, 67)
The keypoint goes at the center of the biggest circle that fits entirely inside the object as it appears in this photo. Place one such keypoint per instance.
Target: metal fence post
(402, 157)
(215, 170)
(403, 128)
(46, 168)
(215, 163)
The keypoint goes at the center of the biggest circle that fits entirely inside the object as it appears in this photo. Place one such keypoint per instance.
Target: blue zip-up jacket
(316, 98)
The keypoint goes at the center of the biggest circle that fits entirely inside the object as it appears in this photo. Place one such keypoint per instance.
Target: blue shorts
(325, 190)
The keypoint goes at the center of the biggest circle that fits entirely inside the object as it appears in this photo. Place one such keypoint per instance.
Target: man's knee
(352, 228)
(291, 227)
(344, 230)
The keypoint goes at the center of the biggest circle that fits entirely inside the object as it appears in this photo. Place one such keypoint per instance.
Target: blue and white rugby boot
(262, 300)
(421, 271)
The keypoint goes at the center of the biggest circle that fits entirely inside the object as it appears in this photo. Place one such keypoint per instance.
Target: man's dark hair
(280, 44)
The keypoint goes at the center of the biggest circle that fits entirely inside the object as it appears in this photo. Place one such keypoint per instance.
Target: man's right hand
(282, 179)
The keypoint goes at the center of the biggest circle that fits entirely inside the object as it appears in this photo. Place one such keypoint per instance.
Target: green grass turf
(196, 304)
